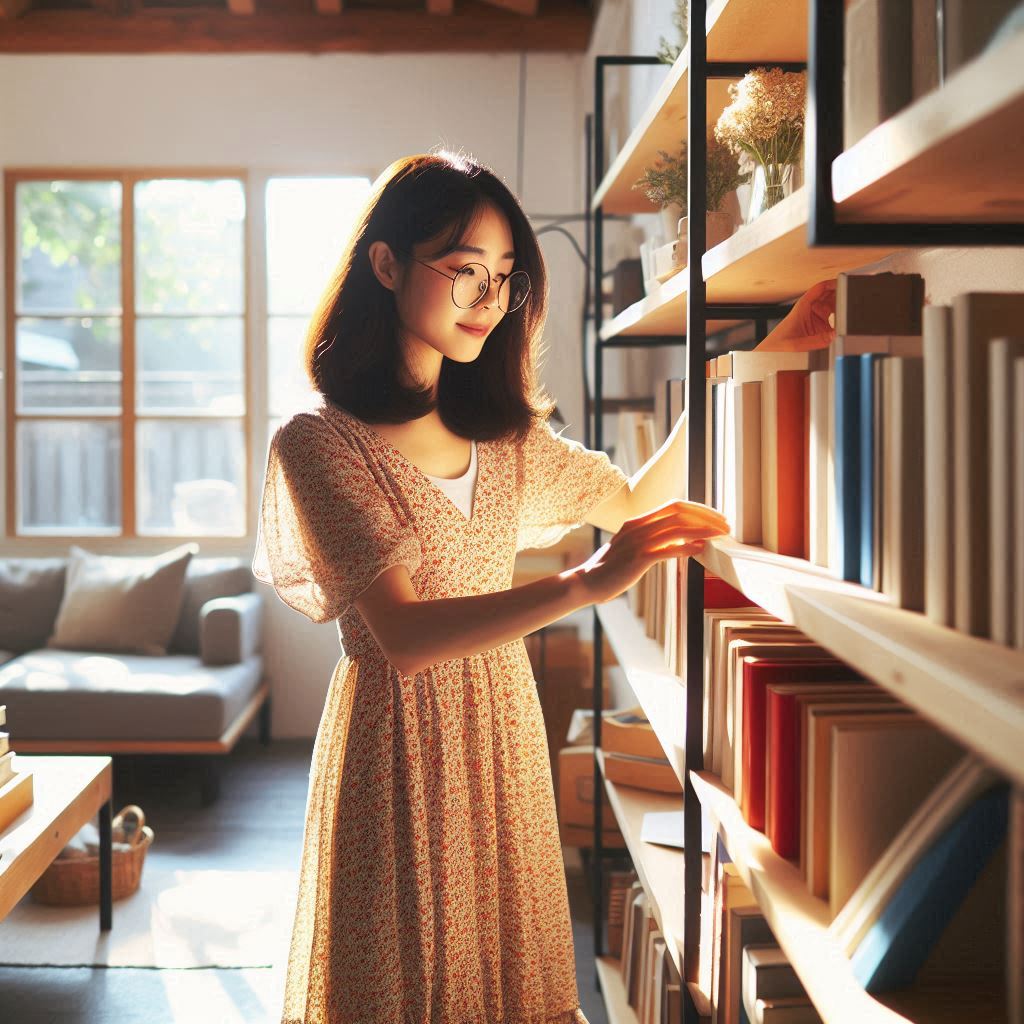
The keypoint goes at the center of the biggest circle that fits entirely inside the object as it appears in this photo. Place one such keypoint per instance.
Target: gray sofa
(198, 699)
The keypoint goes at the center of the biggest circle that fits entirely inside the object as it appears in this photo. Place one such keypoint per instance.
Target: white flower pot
(670, 219)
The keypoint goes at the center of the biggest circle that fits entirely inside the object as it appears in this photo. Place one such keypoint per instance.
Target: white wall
(331, 114)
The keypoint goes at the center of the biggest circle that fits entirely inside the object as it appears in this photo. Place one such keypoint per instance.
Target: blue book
(899, 942)
(847, 466)
(868, 398)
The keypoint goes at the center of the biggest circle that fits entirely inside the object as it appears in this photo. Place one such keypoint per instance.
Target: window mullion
(128, 487)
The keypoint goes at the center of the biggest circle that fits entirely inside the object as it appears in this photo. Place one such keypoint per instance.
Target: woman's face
(423, 297)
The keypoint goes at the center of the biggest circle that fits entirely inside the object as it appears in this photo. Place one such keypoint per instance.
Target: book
(818, 468)
(653, 773)
(882, 770)
(733, 639)
(867, 396)
(847, 456)
(1004, 519)
(902, 499)
(939, 560)
(742, 494)
(730, 894)
(897, 946)
(978, 317)
(784, 762)
(821, 721)
(878, 79)
(744, 367)
(767, 974)
(774, 644)
(746, 925)
(878, 304)
(878, 480)
(713, 662)
(783, 448)
(967, 780)
(787, 664)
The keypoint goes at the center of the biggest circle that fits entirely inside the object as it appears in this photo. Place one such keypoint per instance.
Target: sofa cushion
(205, 579)
(57, 694)
(30, 594)
(121, 603)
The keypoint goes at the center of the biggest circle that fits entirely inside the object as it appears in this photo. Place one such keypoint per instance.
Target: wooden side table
(67, 792)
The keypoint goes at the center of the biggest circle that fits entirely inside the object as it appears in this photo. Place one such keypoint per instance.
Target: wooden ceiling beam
(443, 7)
(242, 6)
(327, 6)
(562, 27)
(527, 7)
(12, 8)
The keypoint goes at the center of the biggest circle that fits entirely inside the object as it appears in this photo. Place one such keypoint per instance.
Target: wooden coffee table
(67, 792)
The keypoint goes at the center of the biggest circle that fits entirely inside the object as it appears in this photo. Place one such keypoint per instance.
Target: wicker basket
(75, 881)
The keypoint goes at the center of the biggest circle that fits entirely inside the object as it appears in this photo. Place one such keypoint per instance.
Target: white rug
(177, 918)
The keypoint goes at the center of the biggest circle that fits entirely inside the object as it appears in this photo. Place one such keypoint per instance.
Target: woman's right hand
(676, 529)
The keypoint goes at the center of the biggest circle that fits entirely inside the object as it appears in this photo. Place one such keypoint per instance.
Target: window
(128, 369)
(309, 225)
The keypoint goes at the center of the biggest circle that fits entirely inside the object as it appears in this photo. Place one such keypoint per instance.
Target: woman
(432, 887)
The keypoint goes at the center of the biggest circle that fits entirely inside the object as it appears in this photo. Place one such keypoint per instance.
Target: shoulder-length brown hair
(353, 354)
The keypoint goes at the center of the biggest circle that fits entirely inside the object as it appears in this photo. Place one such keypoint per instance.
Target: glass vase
(770, 185)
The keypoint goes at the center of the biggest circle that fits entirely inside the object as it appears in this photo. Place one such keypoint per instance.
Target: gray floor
(257, 821)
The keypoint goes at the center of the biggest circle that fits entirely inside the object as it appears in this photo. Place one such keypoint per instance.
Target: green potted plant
(665, 184)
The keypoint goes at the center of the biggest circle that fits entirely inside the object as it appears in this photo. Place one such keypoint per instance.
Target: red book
(784, 760)
(758, 674)
(718, 594)
(789, 422)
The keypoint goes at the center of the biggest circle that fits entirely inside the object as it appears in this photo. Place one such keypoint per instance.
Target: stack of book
(649, 976)
(764, 990)
(828, 455)
(16, 793)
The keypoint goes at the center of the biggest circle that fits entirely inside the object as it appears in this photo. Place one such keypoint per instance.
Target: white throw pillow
(128, 604)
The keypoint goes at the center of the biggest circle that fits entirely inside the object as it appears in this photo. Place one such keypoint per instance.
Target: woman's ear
(386, 268)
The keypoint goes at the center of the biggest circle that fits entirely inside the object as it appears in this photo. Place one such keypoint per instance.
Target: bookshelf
(923, 159)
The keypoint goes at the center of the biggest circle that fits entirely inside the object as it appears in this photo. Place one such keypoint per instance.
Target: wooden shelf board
(971, 688)
(925, 162)
(662, 127)
(768, 30)
(769, 260)
(799, 920)
(662, 311)
(659, 868)
(658, 691)
(617, 1005)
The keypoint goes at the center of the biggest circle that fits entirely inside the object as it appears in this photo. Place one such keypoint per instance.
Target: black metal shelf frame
(824, 136)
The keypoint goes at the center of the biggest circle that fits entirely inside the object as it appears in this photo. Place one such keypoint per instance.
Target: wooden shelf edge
(979, 91)
(658, 691)
(613, 991)
(798, 920)
(971, 688)
(654, 864)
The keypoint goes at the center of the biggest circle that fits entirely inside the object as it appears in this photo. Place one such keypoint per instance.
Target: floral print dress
(432, 887)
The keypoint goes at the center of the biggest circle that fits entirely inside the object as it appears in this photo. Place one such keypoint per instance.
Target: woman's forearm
(457, 627)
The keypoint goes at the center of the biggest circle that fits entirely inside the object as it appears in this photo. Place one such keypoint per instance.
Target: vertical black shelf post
(696, 329)
(597, 867)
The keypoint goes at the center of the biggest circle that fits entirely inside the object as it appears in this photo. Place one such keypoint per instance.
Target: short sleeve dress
(432, 887)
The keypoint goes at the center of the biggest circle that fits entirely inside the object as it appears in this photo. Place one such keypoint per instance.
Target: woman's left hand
(808, 325)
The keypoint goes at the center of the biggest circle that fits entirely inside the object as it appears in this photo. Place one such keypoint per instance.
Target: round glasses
(473, 281)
